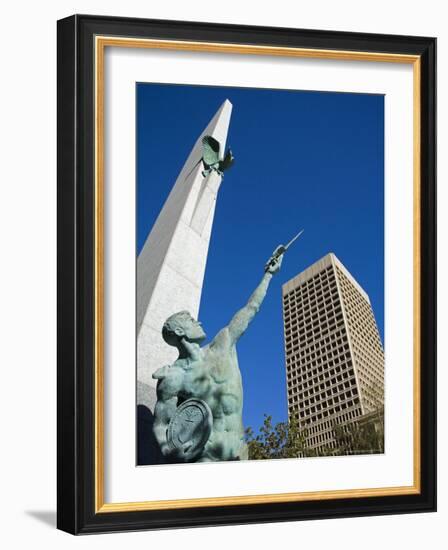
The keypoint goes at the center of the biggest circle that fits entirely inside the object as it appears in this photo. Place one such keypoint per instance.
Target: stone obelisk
(171, 265)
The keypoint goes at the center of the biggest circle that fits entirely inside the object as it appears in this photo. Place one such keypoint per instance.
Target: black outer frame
(75, 172)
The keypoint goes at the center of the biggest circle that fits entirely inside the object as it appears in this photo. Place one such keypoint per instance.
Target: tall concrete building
(171, 264)
(334, 355)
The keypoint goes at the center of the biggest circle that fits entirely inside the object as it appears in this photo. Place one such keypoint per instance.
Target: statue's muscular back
(210, 374)
(215, 378)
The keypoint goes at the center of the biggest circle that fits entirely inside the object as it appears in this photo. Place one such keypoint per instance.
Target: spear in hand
(279, 251)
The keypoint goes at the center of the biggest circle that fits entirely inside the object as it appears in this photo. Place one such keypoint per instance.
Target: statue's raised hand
(275, 261)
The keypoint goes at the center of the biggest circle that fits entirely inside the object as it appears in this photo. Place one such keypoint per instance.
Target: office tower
(334, 355)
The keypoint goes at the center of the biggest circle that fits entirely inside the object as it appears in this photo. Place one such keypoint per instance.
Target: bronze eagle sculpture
(211, 157)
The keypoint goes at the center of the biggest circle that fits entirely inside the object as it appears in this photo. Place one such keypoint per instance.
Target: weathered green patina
(211, 157)
(203, 387)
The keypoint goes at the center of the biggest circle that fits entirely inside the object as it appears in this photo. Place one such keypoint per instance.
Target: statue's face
(193, 330)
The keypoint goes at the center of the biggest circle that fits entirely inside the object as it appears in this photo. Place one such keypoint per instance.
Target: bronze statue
(198, 415)
(211, 157)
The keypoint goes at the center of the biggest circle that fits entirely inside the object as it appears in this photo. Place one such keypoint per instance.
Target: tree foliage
(282, 440)
(289, 440)
(361, 438)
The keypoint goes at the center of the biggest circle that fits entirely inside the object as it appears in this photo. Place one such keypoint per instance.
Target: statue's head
(182, 326)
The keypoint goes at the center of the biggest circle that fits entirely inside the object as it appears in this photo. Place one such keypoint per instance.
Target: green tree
(282, 440)
(289, 440)
(364, 436)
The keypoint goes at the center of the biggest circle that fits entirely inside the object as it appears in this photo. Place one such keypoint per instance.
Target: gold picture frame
(80, 35)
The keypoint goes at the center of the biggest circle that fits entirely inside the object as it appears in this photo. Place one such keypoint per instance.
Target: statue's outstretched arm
(244, 316)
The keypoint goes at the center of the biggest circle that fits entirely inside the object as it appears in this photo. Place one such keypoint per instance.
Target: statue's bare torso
(215, 378)
(210, 374)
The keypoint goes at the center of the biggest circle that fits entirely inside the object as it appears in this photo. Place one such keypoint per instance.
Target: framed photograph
(246, 274)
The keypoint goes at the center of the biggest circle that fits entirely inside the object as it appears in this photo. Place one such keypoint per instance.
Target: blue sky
(311, 160)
